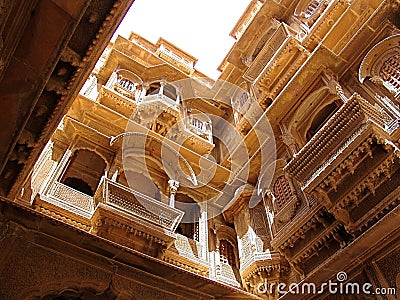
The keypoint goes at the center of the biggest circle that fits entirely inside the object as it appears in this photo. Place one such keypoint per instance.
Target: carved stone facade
(157, 183)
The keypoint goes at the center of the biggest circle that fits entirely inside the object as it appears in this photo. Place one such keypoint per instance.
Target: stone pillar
(173, 187)
(178, 95)
(289, 141)
(145, 87)
(203, 231)
(335, 87)
(163, 82)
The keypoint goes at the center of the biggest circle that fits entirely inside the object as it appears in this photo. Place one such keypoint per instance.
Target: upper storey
(149, 60)
(144, 83)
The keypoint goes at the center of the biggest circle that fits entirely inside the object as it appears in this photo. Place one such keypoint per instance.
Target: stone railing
(70, 199)
(224, 273)
(170, 55)
(188, 247)
(337, 130)
(160, 98)
(126, 88)
(246, 19)
(277, 41)
(138, 204)
(116, 101)
(200, 127)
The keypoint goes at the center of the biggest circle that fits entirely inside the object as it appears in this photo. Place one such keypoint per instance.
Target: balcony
(130, 218)
(278, 60)
(263, 267)
(115, 212)
(176, 59)
(201, 127)
(197, 133)
(137, 205)
(116, 101)
(126, 88)
(342, 130)
(69, 199)
(188, 254)
(163, 101)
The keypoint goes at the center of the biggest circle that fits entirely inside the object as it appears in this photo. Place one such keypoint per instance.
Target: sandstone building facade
(160, 183)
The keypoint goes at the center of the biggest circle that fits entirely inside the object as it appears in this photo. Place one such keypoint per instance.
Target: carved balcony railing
(70, 199)
(337, 133)
(200, 127)
(277, 62)
(175, 58)
(188, 254)
(116, 101)
(278, 41)
(127, 88)
(225, 273)
(160, 102)
(138, 205)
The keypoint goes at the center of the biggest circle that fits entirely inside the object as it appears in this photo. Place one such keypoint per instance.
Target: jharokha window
(390, 72)
(226, 253)
(282, 192)
(321, 118)
(310, 11)
(382, 65)
(84, 171)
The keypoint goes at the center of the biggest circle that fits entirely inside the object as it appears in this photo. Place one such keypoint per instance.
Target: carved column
(203, 230)
(145, 87)
(335, 87)
(289, 141)
(163, 82)
(178, 95)
(173, 187)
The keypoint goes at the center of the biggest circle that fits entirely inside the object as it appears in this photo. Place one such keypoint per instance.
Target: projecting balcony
(277, 61)
(162, 101)
(117, 213)
(262, 267)
(139, 207)
(188, 254)
(348, 129)
(197, 133)
(116, 101)
(132, 219)
(68, 199)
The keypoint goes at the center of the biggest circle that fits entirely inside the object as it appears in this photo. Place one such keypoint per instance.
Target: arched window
(390, 72)
(84, 171)
(382, 64)
(154, 88)
(189, 225)
(321, 118)
(79, 185)
(282, 191)
(227, 254)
